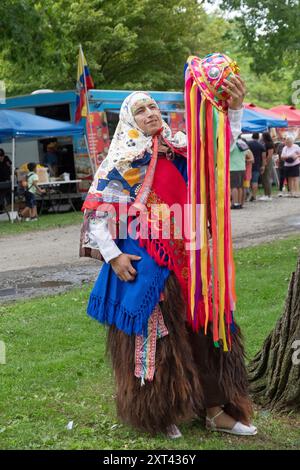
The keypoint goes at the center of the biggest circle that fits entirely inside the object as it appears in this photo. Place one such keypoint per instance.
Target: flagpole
(93, 160)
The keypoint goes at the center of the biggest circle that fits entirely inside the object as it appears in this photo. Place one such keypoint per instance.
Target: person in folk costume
(170, 362)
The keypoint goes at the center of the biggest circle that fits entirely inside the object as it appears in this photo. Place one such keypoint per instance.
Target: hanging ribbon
(211, 268)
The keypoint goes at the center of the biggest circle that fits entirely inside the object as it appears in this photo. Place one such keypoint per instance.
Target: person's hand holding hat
(218, 78)
(237, 90)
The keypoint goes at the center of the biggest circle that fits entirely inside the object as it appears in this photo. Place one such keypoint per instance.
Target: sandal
(239, 429)
(173, 432)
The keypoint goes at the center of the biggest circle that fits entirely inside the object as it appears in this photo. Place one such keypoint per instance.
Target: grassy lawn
(57, 371)
(45, 222)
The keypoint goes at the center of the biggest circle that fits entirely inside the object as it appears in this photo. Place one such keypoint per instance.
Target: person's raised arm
(237, 90)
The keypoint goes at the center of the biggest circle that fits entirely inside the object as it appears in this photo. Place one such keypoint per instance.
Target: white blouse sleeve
(235, 120)
(99, 237)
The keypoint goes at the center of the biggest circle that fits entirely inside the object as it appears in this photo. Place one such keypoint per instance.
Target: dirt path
(47, 262)
(261, 222)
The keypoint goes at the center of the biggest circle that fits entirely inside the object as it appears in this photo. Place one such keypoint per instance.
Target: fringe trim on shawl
(131, 322)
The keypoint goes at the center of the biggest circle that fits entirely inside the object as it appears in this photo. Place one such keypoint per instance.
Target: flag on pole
(84, 83)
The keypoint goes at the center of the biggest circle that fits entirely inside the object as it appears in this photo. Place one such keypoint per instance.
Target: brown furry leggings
(190, 376)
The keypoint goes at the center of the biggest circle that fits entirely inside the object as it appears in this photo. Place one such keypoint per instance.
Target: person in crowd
(51, 158)
(291, 157)
(5, 176)
(248, 175)
(259, 153)
(268, 170)
(29, 213)
(238, 154)
(280, 165)
(5, 166)
(170, 373)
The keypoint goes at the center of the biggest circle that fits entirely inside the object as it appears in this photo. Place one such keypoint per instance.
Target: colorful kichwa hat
(210, 73)
(211, 268)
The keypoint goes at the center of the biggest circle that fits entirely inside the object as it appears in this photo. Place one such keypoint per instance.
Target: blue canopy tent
(19, 125)
(254, 121)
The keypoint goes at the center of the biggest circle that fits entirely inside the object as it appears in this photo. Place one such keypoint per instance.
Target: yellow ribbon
(221, 219)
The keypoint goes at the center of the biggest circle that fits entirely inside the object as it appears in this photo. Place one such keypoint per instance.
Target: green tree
(129, 44)
(137, 44)
(265, 88)
(265, 38)
(270, 30)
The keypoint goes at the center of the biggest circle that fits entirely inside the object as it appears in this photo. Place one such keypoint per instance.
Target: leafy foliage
(265, 88)
(128, 43)
(268, 31)
(141, 44)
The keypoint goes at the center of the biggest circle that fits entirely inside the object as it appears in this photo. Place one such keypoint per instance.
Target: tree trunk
(274, 373)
